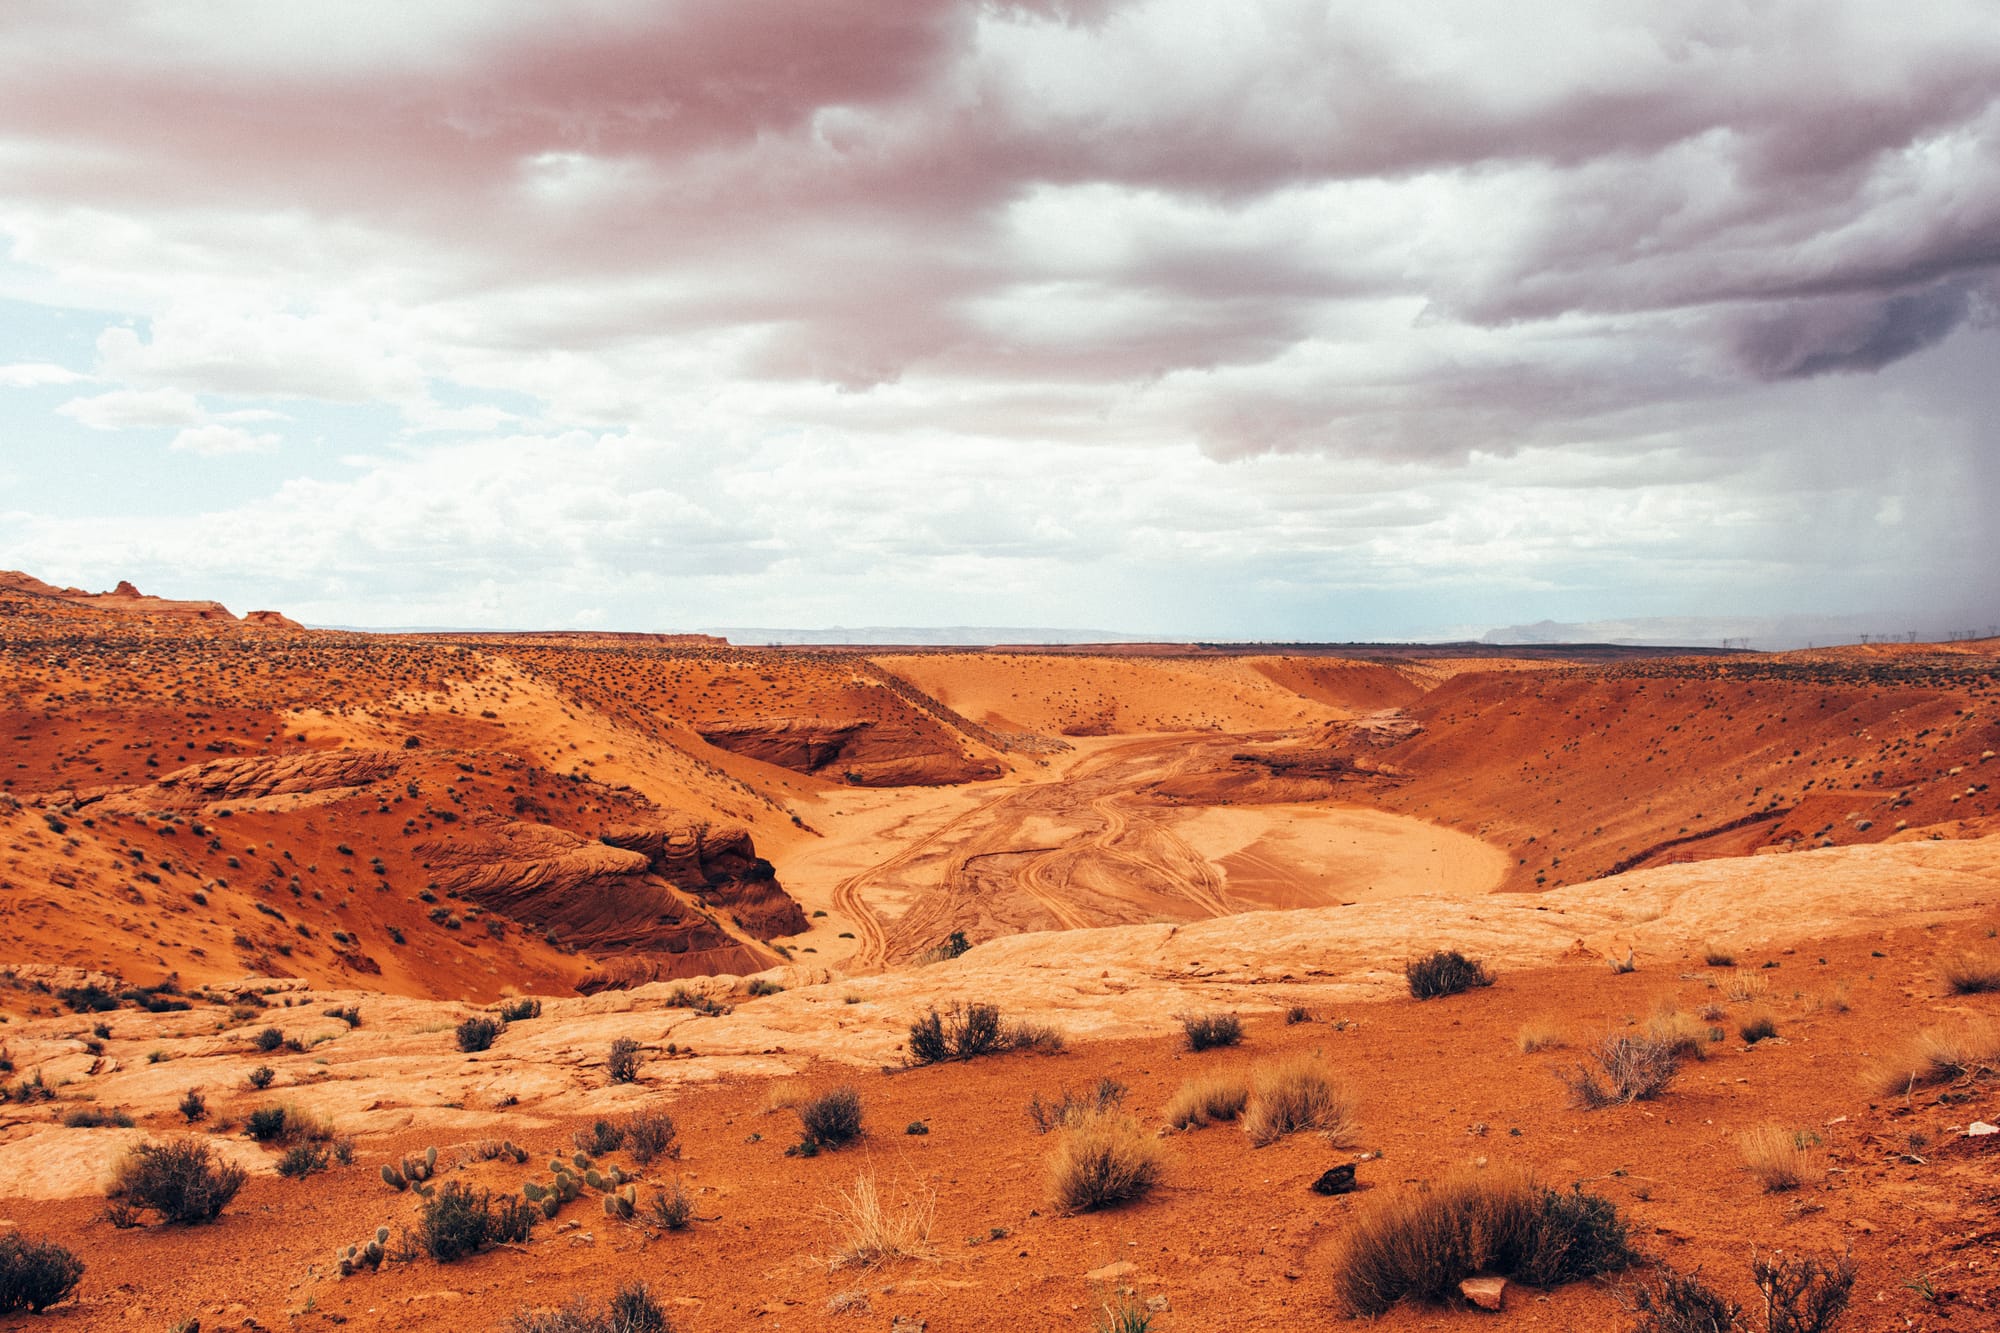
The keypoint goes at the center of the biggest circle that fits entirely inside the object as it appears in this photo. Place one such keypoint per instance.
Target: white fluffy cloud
(891, 309)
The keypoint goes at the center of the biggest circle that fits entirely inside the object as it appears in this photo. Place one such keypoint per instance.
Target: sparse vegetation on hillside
(621, 1064)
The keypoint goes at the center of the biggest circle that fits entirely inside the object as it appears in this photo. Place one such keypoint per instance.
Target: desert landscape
(791, 983)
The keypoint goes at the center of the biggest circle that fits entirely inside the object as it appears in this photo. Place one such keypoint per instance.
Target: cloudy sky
(1266, 319)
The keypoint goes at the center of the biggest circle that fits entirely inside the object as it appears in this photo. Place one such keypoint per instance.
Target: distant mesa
(127, 599)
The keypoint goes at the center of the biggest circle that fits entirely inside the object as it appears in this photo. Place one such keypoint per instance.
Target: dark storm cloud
(1852, 333)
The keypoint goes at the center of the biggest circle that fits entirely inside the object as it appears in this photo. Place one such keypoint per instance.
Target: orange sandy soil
(420, 825)
(1234, 1238)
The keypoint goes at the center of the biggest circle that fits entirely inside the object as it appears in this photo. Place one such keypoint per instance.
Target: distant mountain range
(1766, 633)
(946, 636)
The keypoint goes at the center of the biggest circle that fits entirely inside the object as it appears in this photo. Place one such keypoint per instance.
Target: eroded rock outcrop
(722, 866)
(907, 751)
(619, 902)
(247, 778)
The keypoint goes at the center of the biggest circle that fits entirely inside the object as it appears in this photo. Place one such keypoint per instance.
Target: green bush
(1208, 1031)
(270, 1039)
(831, 1119)
(1445, 972)
(180, 1180)
(514, 1011)
(266, 1123)
(35, 1274)
(455, 1222)
(632, 1310)
(966, 1031)
(622, 1064)
(302, 1159)
(477, 1033)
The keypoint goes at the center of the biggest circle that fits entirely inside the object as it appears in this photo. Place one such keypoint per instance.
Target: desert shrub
(1071, 1107)
(1207, 1031)
(1300, 1092)
(1802, 1294)
(831, 1119)
(622, 1063)
(1041, 1038)
(35, 1274)
(1626, 1069)
(260, 1077)
(1776, 1157)
(1539, 1034)
(868, 1232)
(651, 1134)
(1445, 972)
(350, 1015)
(180, 1180)
(1941, 1055)
(266, 1123)
(1207, 1100)
(1757, 1025)
(1970, 972)
(762, 986)
(87, 999)
(1103, 1160)
(631, 1310)
(193, 1106)
(477, 1033)
(270, 1039)
(1719, 955)
(1422, 1243)
(515, 1011)
(601, 1138)
(455, 1222)
(966, 1031)
(671, 1210)
(92, 1117)
(302, 1159)
(1682, 1303)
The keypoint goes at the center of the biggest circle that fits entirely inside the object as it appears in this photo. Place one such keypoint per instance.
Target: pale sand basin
(1284, 856)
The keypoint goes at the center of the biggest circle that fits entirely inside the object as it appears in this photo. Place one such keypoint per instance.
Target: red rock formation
(893, 751)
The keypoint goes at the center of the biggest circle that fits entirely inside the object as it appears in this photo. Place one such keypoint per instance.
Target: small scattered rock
(1980, 1128)
(1488, 1293)
(1158, 1304)
(1123, 1268)
(905, 1324)
(1340, 1180)
(847, 1302)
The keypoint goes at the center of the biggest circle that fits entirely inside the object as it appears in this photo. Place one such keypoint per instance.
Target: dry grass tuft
(868, 1233)
(1423, 1242)
(1940, 1055)
(1719, 955)
(1683, 1034)
(1300, 1092)
(1776, 1156)
(1540, 1034)
(1740, 986)
(1208, 1099)
(1103, 1160)
(1970, 971)
(785, 1094)
(1760, 1024)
